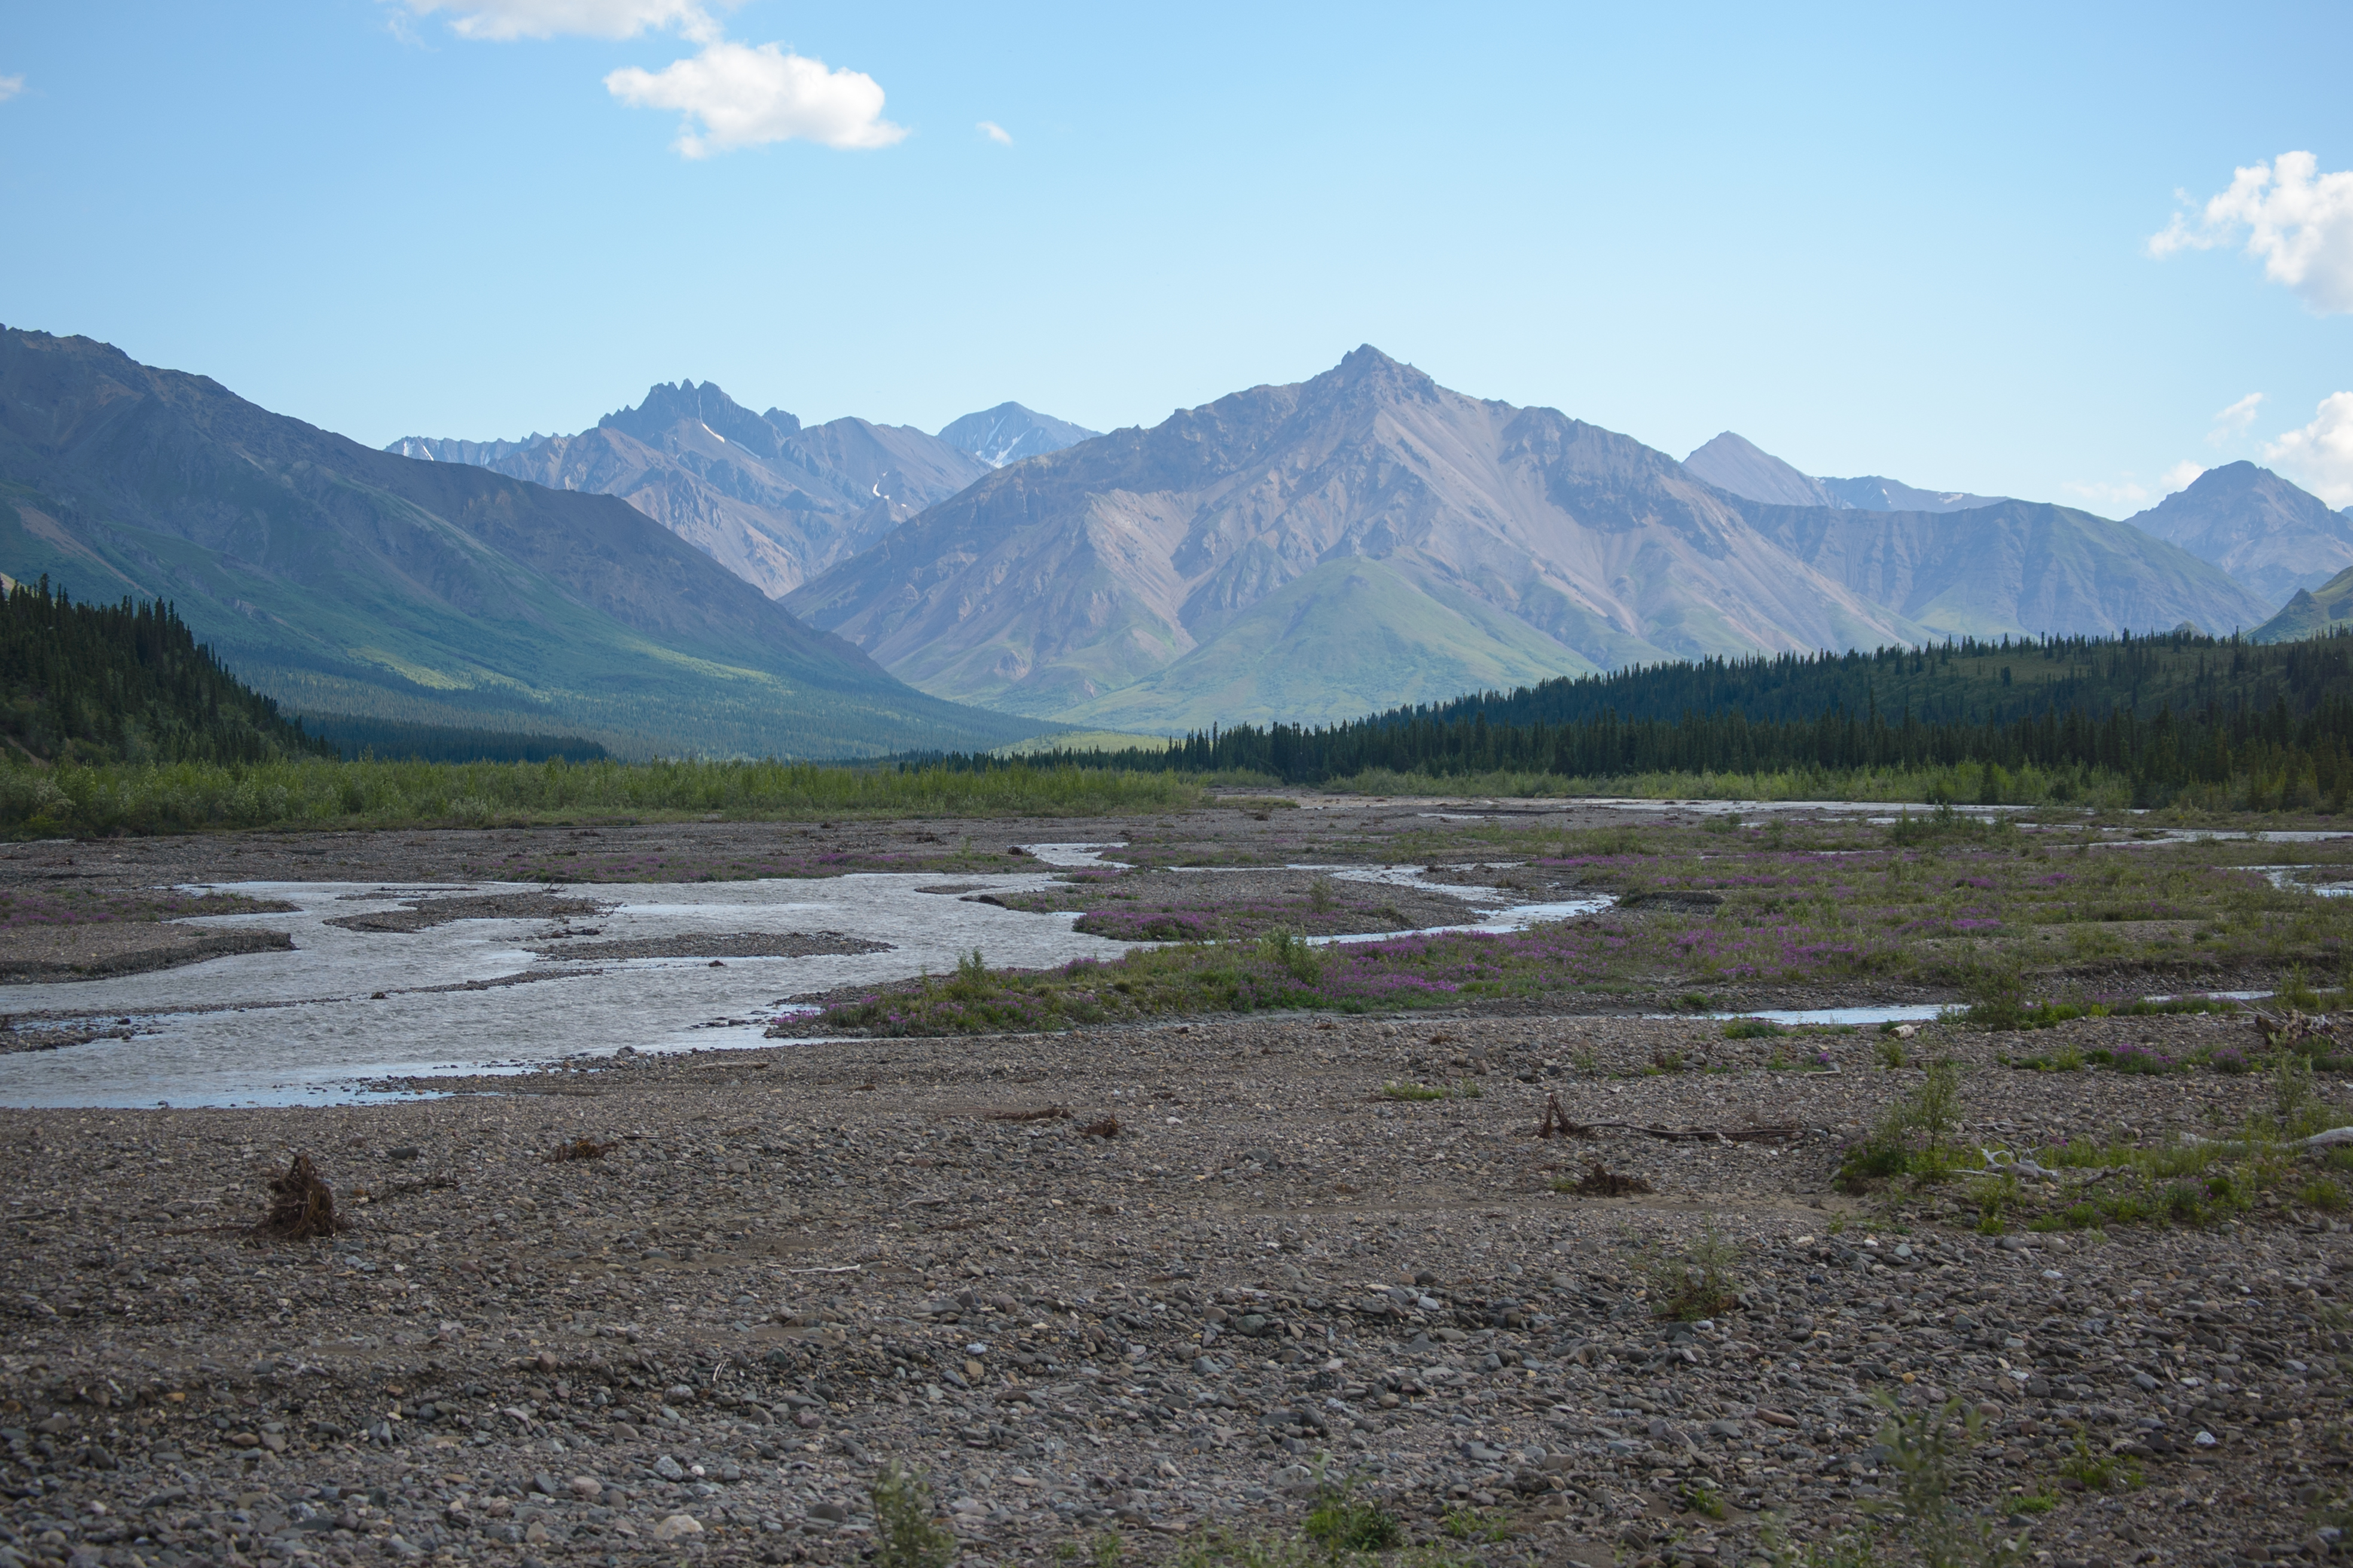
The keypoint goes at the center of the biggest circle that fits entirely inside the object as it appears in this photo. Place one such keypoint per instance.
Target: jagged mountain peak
(669, 405)
(1366, 371)
(769, 498)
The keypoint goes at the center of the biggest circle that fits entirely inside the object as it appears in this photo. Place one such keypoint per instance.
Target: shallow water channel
(309, 1025)
(348, 1008)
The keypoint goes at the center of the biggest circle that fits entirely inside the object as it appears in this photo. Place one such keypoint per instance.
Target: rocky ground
(793, 1267)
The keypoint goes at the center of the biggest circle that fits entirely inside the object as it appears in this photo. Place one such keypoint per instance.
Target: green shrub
(1997, 999)
(1293, 953)
(906, 1533)
(1914, 1139)
(1698, 1282)
(1343, 1521)
(1753, 1029)
(1928, 1449)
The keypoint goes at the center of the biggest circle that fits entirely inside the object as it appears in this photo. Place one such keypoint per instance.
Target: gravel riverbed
(793, 1266)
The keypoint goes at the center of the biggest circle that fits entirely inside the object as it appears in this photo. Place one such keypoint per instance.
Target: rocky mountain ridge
(772, 499)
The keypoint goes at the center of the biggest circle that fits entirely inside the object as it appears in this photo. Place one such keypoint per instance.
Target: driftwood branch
(1753, 1134)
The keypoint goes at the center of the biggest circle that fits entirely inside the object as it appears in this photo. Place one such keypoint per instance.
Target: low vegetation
(2032, 923)
(314, 792)
(2099, 1183)
(1692, 1282)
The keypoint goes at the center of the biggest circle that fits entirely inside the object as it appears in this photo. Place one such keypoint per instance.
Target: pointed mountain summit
(769, 498)
(1008, 433)
(2265, 533)
(1514, 543)
(1733, 463)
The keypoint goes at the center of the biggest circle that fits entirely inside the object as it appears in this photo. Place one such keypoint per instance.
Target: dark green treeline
(125, 683)
(2272, 723)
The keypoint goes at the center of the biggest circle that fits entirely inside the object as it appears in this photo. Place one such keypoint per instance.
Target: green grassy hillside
(2313, 611)
(1351, 635)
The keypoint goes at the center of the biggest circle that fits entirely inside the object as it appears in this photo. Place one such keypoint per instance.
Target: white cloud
(2181, 475)
(744, 96)
(2321, 454)
(10, 86)
(2124, 492)
(508, 19)
(2297, 219)
(2234, 420)
(996, 133)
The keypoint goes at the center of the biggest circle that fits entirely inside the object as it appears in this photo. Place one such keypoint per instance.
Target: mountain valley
(341, 580)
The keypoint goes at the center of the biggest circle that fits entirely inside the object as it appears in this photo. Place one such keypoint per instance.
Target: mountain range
(689, 576)
(2267, 535)
(772, 501)
(343, 580)
(1309, 552)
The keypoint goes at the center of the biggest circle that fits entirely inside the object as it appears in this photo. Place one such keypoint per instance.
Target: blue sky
(1904, 240)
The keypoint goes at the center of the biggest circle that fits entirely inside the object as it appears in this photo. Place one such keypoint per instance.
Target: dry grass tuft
(1600, 1181)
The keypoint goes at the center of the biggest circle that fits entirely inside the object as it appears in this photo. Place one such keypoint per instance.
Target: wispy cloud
(732, 95)
(509, 19)
(10, 86)
(2321, 454)
(2181, 475)
(2234, 421)
(996, 133)
(2298, 220)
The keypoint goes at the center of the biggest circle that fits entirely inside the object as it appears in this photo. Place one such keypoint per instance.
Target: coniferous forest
(2267, 725)
(126, 683)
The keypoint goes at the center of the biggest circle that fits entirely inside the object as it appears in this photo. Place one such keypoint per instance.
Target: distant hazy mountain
(2326, 608)
(1732, 462)
(1510, 540)
(1008, 433)
(773, 501)
(1871, 492)
(2254, 524)
(344, 580)
(1735, 463)
(2015, 567)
